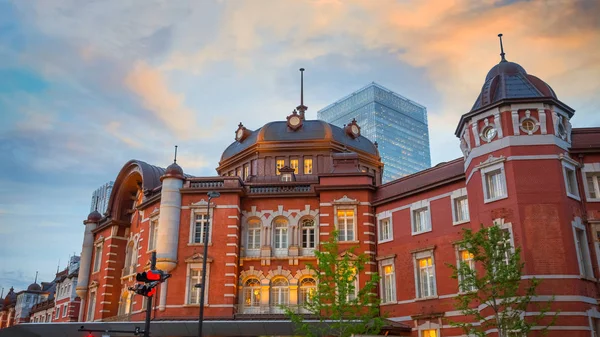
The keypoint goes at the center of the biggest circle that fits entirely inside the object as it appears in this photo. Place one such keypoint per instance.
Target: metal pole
(149, 302)
(204, 258)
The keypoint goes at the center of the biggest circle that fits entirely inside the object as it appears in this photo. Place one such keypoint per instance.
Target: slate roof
(585, 140)
(508, 80)
(311, 130)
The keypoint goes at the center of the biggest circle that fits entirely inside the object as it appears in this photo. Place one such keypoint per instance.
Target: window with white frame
(493, 180)
(280, 233)
(421, 220)
(345, 224)
(425, 274)
(131, 258)
(581, 247)
(570, 180)
(384, 229)
(91, 306)
(65, 310)
(352, 291)
(195, 278)
(201, 227)
(253, 234)
(153, 231)
(57, 313)
(280, 293)
(286, 177)
(97, 257)
(465, 258)
(460, 207)
(307, 289)
(591, 181)
(251, 293)
(388, 282)
(308, 233)
(246, 171)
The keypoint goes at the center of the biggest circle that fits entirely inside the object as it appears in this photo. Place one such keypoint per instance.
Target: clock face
(294, 120)
(240, 133)
(354, 129)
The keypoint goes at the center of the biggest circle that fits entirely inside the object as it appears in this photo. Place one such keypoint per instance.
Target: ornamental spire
(301, 108)
(501, 49)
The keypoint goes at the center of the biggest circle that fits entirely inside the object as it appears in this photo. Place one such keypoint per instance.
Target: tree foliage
(496, 283)
(336, 299)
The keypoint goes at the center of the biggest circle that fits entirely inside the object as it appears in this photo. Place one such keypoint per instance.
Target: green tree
(341, 308)
(489, 276)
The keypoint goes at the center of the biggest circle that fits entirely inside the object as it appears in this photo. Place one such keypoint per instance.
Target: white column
(163, 296)
(85, 263)
(167, 238)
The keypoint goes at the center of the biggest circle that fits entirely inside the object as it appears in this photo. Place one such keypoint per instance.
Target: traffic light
(147, 290)
(152, 275)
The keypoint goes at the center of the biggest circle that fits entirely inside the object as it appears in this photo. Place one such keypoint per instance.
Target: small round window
(488, 133)
(529, 125)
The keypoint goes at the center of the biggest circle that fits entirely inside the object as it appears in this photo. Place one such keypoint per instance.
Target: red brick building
(287, 185)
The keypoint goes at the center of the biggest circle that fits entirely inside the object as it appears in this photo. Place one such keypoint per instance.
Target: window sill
(486, 201)
(387, 303)
(456, 223)
(587, 278)
(353, 241)
(572, 196)
(187, 305)
(421, 232)
(426, 298)
(386, 240)
(194, 244)
(592, 199)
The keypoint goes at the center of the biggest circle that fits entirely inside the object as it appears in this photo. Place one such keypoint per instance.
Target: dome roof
(310, 130)
(10, 298)
(508, 80)
(34, 287)
(173, 171)
(94, 216)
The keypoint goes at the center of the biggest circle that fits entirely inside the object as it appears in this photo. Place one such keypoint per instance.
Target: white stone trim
(484, 170)
(198, 266)
(578, 226)
(385, 215)
(417, 206)
(590, 168)
(458, 194)
(567, 164)
(415, 257)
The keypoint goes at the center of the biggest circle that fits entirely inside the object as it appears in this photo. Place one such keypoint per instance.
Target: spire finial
(501, 49)
(58, 266)
(301, 108)
(36, 274)
(175, 158)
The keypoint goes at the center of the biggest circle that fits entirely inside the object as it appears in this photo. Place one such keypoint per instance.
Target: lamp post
(202, 285)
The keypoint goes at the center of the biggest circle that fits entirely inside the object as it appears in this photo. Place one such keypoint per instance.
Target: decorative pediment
(201, 204)
(154, 212)
(99, 240)
(196, 258)
(93, 284)
(345, 200)
(491, 160)
(347, 253)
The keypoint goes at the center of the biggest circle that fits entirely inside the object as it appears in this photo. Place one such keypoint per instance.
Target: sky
(87, 85)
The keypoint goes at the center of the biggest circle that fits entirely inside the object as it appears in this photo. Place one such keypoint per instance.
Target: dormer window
(286, 177)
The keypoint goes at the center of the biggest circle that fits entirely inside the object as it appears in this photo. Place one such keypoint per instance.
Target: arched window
(131, 258)
(308, 233)
(308, 287)
(252, 293)
(253, 235)
(280, 233)
(279, 292)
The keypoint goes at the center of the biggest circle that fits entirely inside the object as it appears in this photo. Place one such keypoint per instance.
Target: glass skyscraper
(397, 124)
(101, 196)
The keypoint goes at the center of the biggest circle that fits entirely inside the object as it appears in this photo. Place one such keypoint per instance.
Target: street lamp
(202, 285)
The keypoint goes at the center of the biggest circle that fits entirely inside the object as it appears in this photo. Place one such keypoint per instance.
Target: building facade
(397, 124)
(286, 186)
(66, 301)
(100, 197)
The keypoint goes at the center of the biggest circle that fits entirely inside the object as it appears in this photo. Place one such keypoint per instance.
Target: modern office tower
(100, 197)
(397, 124)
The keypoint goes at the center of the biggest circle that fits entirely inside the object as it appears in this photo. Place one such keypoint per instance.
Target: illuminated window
(388, 284)
(279, 165)
(308, 287)
(294, 165)
(246, 171)
(252, 293)
(425, 274)
(465, 257)
(345, 224)
(308, 166)
(429, 333)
